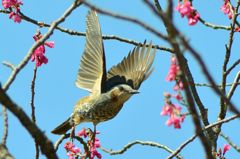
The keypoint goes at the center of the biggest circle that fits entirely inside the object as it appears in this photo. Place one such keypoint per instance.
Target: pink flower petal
(226, 147)
(49, 44)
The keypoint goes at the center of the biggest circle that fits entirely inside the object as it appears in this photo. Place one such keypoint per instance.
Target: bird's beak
(134, 91)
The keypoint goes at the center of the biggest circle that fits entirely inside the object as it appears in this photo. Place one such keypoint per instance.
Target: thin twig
(60, 140)
(190, 80)
(8, 64)
(126, 18)
(209, 77)
(76, 33)
(45, 145)
(5, 124)
(5, 113)
(65, 136)
(183, 66)
(233, 66)
(144, 143)
(234, 86)
(33, 107)
(223, 106)
(113, 37)
(179, 149)
(39, 42)
(237, 148)
(214, 26)
(4, 153)
(33, 94)
(208, 85)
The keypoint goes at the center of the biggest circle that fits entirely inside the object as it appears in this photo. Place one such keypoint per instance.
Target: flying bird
(108, 90)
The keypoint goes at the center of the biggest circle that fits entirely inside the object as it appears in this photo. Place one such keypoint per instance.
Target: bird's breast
(102, 108)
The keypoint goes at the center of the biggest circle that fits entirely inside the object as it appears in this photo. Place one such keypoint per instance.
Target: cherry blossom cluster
(75, 152)
(186, 10)
(174, 74)
(14, 6)
(39, 52)
(221, 153)
(72, 150)
(170, 109)
(173, 111)
(93, 145)
(227, 9)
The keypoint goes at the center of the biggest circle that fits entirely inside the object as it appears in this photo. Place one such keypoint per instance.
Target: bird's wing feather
(92, 72)
(133, 69)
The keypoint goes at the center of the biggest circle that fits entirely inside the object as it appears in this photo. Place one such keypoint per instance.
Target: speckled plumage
(108, 90)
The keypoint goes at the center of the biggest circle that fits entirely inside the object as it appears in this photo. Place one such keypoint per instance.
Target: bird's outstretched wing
(133, 69)
(92, 72)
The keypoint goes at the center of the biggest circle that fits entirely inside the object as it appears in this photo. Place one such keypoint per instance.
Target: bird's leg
(94, 134)
(72, 134)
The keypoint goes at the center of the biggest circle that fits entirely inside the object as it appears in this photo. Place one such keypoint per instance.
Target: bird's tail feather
(62, 128)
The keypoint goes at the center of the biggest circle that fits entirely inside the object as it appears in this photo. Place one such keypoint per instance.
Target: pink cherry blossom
(93, 149)
(171, 109)
(83, 133)
(178, 86)
(72, 150)
(186, 10)
(178, 97)
(167, 110)
(93, 145)
(175, 120)
(14, 5)
(75, 150)
(39, 52)
(173, 71)
(174, 113)
(227, 8)
(237, 29)
(192, 20)
(95, 153)
(49, 44)
(69, 145)
(97, 143)
(226, 147)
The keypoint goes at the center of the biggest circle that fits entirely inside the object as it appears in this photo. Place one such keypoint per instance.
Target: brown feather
(62, 128)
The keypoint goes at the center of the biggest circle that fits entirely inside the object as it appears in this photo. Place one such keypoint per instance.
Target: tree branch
(179, 149)
(144, 143)
(39, 42)
(223, 106)
(214, 26)
(33, 107)
(126, 18)
(5, 125)
(5, 113)
(4, 154)
(208, 85)
(186, 72)
(230, 142)
(234, 86)
(65, 136)
(233, 66)
(76, 33)
(45, 144)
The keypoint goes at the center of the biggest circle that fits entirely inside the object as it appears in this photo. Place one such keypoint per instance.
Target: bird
(109, 90)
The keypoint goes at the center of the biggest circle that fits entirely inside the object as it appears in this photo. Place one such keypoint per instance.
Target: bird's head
(122, 92)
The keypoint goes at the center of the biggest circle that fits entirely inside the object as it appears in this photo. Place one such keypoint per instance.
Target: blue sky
(140, 117)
